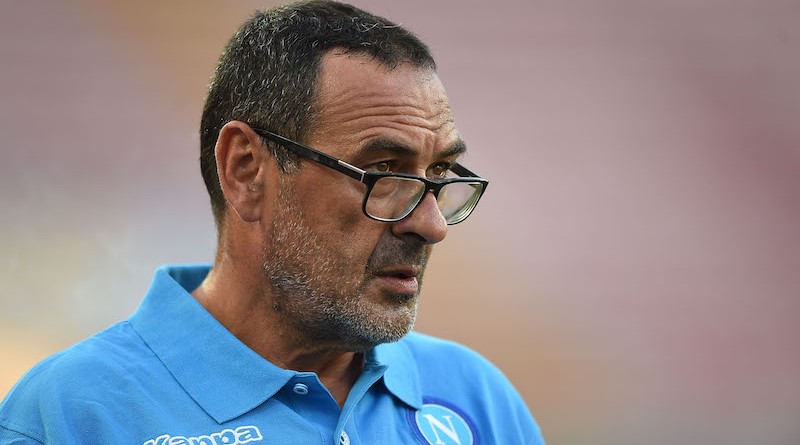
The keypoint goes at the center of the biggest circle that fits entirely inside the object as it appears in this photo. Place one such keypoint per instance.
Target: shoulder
(56, 387)
(115, 349)
(434, 354)
(457, 379)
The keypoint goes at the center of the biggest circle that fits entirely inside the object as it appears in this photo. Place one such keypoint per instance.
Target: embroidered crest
(439, 424)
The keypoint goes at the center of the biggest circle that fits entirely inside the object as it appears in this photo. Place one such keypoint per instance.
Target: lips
(399, 279)
(397, 264)
(399, 272)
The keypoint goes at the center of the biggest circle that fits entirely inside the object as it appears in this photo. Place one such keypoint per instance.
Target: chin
(385, 328)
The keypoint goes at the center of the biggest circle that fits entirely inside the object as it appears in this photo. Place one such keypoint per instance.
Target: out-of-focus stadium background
(634, 267)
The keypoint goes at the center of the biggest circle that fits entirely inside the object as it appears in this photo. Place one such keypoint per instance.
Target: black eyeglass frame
(370, 178)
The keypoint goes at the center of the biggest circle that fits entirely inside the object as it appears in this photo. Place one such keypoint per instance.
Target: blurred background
(634, 266)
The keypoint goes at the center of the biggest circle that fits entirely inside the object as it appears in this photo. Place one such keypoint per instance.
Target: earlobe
(241, 170)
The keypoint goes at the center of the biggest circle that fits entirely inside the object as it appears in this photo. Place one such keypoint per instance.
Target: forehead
(358, 100)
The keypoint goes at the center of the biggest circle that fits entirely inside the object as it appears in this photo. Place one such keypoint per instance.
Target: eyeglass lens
(457, 199)
(393, 198)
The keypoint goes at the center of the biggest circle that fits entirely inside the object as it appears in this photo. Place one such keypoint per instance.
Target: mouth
(400, 280)
(399, 272)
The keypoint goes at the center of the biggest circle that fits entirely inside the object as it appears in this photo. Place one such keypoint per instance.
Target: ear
(242, 164)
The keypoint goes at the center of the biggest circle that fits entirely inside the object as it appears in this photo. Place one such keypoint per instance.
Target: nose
(425, 222)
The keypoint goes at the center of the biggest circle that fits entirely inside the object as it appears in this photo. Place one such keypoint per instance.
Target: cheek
(358, 236)
(350, 218)
(332, 208)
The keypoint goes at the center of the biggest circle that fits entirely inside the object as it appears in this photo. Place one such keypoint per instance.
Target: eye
(381, 167)
(439, 171)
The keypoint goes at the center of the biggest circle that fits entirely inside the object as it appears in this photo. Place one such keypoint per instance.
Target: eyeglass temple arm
(314, 155)
(337, 164)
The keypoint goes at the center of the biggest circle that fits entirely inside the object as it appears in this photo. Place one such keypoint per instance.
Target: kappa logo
(240, 435)
(440, 425)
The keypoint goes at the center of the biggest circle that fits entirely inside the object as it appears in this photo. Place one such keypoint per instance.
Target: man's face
(340, 278)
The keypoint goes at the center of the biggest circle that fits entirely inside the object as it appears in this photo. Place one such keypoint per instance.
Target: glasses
(391, 197)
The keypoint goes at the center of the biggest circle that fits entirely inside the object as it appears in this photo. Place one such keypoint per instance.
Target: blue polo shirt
(173, 375)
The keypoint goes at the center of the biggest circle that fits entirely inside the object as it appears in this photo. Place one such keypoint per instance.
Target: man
(299, 334)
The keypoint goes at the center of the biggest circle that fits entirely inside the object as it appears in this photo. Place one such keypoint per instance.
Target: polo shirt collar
(224, 376)
(401, 376)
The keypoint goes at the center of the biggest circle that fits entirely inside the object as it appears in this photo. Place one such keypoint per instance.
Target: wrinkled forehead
(357, 94)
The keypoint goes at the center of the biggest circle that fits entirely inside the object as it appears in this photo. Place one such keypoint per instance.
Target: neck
(237, 298)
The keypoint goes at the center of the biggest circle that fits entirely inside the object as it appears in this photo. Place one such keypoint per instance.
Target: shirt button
(344, 439)
(300, 388)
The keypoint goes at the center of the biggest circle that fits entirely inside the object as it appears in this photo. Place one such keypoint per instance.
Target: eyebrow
(392, 146)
